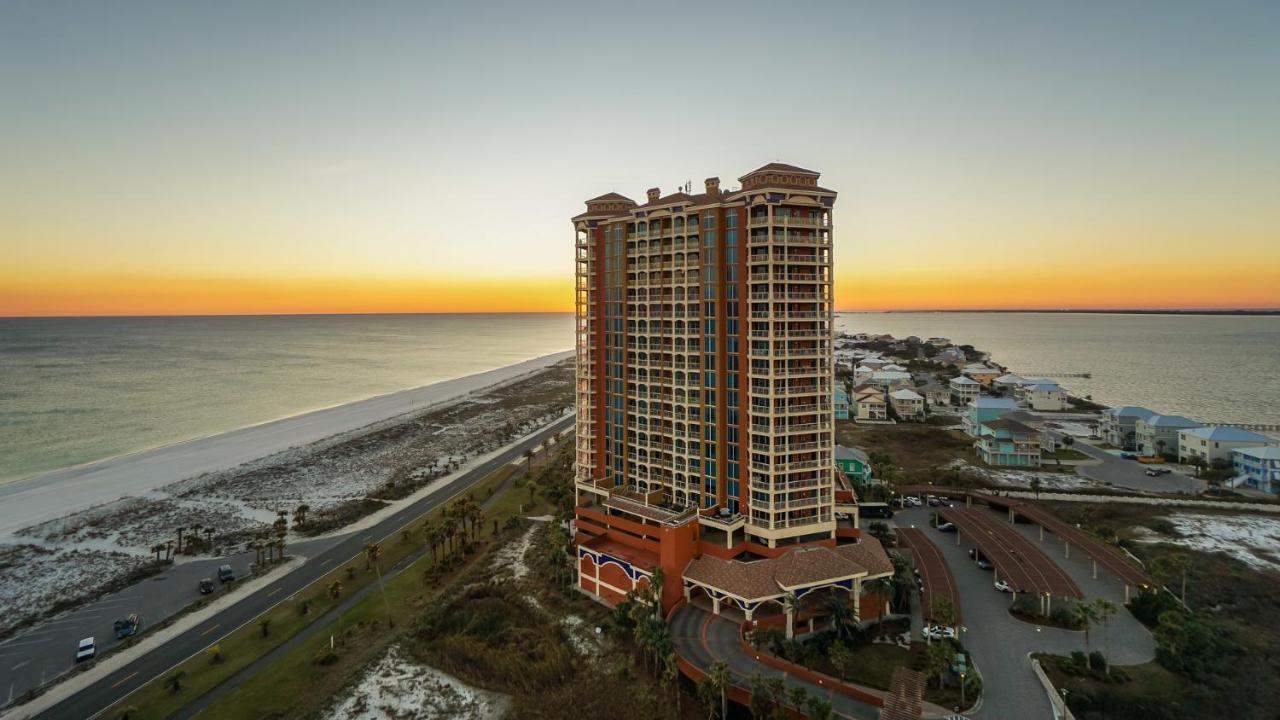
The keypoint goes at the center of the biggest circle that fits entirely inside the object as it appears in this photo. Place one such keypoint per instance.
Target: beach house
(1215, 444)
(869, 403)
(1257, 467)
(841, 402)
(982, 373)
(854, 463)
(1008, 443)
(935, 393)
(1158, 434)
(963, 390)
(984, 408)
(891, 379)
(1045, 396)
(953, 356)
(907, 403)
(1008, 383)
(1117, 425)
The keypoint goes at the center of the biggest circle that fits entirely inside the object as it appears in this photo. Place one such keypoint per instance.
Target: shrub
(1097, 661)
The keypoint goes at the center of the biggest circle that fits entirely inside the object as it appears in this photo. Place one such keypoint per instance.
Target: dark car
(226, 574)
(1157, 472)
(206, 586)
(1126, 455)
(128, 626)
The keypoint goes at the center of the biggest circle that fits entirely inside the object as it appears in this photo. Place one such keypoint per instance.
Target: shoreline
(45, 497)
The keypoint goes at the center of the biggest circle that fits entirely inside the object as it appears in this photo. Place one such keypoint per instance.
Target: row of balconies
(787, 221)
(806, 352)
(821, 425)
(784, 238)
(789, 258)
(780, 295)
(790, 390)
(788, 277)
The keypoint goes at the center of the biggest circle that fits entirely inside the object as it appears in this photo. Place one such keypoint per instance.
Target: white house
(908, 403)
(1158, 434)
(1117, 425)
(1045, 396)
(1008, 383)
(891, 379)
(935, 394)
(964, 390)
(869, 403)
(1216, 443)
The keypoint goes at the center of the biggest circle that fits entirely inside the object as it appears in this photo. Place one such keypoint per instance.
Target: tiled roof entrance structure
(798, 571)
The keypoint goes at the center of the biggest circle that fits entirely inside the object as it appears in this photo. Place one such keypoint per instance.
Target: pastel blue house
(842, 404)
(1258, 468)
(1008, 443)
(983, 409)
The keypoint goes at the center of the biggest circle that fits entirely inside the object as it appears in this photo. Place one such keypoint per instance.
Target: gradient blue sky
(174, 155)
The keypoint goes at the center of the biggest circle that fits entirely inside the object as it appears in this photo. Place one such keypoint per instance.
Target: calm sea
(77, 390)
(1212, 368)
(73, 390)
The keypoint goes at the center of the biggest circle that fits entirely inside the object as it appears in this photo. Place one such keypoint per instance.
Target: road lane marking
(124, 679)
(211, 629)
(24, 662)
(273, 592)
(326, 561)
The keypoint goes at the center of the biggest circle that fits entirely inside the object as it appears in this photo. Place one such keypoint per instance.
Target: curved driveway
(702, 638)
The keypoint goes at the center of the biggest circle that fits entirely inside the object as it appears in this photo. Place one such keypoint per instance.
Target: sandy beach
(70, 490)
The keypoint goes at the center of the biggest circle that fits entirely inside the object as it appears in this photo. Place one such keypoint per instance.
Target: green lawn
(1064, 453)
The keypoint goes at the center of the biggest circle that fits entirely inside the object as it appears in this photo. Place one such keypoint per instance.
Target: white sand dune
(69, 490)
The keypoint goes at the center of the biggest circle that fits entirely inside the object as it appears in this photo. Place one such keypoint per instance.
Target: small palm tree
(300, 515)
(335, 589)
(528, 460)
(720, 679)
(174, 682)
(1035, 486)
(1104, 610)
(1085, 614)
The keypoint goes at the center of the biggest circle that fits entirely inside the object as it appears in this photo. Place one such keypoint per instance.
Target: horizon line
(1063, 311)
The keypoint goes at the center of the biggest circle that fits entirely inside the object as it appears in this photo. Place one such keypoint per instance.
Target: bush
(1147, 607)
(1097, 661)
(1079, 662)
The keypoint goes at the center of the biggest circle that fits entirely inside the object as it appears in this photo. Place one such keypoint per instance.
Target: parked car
(86, 650)
(1126, 455)
(914, 501)
(128, 626)
(206, 586)
(226, 574)
(1157, 472)
(1003, 586)
(933, 501)
(947, 527)
(939, 632)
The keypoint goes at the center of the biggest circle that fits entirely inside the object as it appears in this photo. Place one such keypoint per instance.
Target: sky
(229, 157)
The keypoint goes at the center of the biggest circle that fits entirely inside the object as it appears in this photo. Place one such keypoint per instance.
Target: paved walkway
(1131, 474)
(999, 643)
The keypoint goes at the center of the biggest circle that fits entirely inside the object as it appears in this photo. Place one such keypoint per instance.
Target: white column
(857, 599)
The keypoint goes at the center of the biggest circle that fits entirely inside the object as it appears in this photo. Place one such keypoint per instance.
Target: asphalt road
(97, 697)
(1132, 474)
(1000, 643)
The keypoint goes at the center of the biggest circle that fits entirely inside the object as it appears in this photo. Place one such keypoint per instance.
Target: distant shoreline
(992, 311)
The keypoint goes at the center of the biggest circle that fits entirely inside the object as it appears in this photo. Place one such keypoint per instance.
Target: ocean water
(1214, 368)
(74, 390)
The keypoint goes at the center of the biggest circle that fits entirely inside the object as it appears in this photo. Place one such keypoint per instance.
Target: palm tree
(528, 460)
(168, 549)
(819, 709)
(841, 614)
(157, 549)
(335, 589)
(1085, 614)
(208, 533)
(720, 679)
(840, 658)
(180, 531)
(1035, 486)
(174, 682)
(790, 604)
(943, 612)
(195, 534)
(372, 552)
(937, 660)
(1172, 566)
(300, 515)
(671, 673)
(1104, 610)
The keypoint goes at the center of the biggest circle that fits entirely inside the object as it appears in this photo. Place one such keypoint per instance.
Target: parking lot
(1001, 643)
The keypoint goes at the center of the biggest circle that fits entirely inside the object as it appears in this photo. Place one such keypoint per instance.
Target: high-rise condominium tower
(704, 382)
